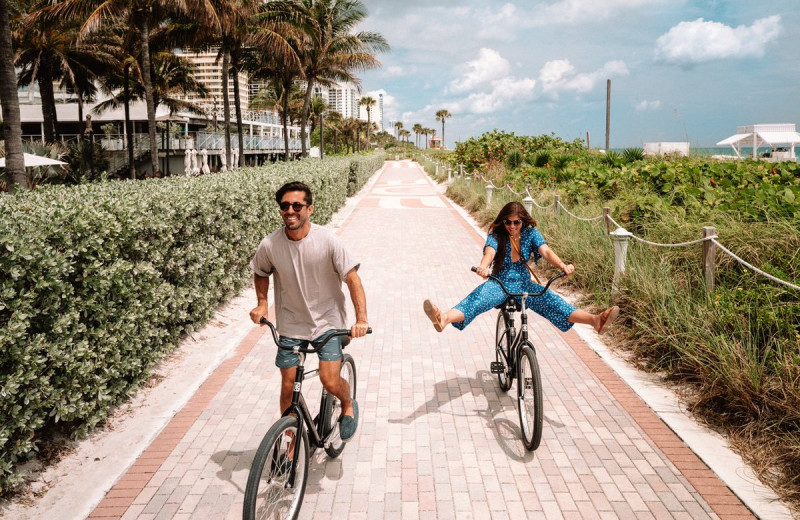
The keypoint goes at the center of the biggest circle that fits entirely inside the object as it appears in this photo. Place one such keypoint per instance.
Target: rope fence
(620, 237)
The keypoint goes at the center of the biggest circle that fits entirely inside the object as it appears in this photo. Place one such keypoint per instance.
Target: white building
(208, 71)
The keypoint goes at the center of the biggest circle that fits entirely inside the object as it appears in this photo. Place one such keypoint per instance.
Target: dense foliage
(101, 280)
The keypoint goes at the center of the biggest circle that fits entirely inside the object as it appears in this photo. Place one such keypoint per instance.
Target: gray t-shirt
(308, 281)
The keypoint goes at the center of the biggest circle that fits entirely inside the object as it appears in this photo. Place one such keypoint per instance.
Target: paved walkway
(438, 439)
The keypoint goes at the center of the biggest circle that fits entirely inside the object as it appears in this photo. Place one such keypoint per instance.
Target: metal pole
(608, 113)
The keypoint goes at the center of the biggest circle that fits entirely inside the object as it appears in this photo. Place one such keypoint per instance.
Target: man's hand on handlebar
(259, 312)
(359, 329)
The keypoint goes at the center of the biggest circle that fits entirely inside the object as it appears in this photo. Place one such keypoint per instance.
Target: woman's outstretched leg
(439, 320)
(600, 322)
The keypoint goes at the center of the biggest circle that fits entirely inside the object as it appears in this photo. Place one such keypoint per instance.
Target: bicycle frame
(300, 409)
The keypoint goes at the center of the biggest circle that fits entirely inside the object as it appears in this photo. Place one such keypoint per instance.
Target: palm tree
(12, 125)
(142, 16)
(330, 52)
(318, 107)
(417, 128)
(441, 115)
(398, 125)
(405, 134)
(50, 51)
(368, 102)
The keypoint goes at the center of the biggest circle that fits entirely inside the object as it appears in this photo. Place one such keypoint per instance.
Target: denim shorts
(332, 351)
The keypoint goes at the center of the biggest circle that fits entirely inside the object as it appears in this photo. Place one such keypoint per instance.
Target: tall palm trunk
(304, 118)
(226, 107)
(12, 125)
(148, 96)
(237, 102)
(128, 122)
(287, 87)
(45, 81)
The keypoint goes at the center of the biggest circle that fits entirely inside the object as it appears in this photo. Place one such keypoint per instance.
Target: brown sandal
(610, 315)
(433, 314)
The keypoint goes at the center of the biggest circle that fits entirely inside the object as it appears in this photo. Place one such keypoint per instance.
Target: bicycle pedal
(497, 367)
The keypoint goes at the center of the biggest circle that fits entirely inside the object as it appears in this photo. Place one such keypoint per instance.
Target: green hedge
(100, 281)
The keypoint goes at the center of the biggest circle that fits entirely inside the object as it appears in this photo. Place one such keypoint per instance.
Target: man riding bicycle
(309, 265)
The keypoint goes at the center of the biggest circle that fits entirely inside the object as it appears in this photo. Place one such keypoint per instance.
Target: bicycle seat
(509, 305)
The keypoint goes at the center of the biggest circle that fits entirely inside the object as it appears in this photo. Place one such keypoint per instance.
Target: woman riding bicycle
(512, 239)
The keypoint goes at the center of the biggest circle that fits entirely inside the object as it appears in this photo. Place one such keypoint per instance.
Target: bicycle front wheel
(504, 337)
(333, 408)
(529, 392)
(269, 492)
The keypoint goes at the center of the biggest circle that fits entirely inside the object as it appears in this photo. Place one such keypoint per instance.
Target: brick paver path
(438, 439)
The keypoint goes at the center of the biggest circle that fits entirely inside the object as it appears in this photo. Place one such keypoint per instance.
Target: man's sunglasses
(296, 206)
(512, 222)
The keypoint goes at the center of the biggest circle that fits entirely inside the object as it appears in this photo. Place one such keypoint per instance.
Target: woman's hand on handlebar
(483, 272)
(568, 269)
(359, 330)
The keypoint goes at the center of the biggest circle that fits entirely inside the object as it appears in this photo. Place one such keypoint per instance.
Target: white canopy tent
(32, 160)
(774, 136)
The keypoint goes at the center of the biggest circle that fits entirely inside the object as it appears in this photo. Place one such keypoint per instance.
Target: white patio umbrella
(32, 160)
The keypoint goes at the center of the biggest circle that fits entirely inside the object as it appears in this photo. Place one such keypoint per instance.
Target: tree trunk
(237, 102)
(12, 126)
(226, 107)
(128, 122)
(304, 116)
(148, 96)
(45, 80)
(287, 87)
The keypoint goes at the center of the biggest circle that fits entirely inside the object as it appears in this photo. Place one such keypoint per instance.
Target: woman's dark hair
(294, 186)
(499, 229)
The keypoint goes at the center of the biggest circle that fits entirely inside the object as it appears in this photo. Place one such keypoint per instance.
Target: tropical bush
(101, 280)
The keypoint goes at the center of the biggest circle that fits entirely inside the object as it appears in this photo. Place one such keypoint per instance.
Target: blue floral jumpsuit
(516, 278)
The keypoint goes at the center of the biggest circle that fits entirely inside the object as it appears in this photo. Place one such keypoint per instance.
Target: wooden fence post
(607, 219)
(489, 191)
(557, 205)
(709, 258)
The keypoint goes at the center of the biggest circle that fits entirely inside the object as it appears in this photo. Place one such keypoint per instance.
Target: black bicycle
(515, 355)
(277, 480)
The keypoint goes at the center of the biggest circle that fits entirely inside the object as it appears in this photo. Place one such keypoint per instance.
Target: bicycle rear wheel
(504, 337)
(332, 408)
(529, 392)
(268, 493)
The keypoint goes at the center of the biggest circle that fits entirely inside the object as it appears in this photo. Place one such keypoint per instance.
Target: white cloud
(505, 92)
(559, 75)
(648, 105)
(701, 40)
(574, 11)
(488, 66)
(393, 71)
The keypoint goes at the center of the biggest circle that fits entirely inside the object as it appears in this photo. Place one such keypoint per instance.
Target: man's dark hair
(294, 186)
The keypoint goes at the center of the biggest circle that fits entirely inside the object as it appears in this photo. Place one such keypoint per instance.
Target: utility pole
(608, 113)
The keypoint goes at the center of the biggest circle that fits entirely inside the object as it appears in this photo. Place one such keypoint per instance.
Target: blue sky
(680, 69)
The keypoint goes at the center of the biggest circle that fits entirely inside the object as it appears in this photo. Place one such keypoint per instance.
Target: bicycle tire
(504, 338)
(332, 408)
(529, 393)
(266, 494)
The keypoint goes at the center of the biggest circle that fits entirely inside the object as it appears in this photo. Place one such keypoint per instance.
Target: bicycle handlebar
(309, 349)
(519, 295)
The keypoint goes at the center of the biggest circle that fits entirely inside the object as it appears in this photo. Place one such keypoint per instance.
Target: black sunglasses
(512, 222)
(296, 206)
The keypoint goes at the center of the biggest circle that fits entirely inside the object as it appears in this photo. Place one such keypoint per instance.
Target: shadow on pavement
(506, 432)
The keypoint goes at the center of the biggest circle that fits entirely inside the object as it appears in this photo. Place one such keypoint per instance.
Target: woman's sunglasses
(512, 222)
(296, 206)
